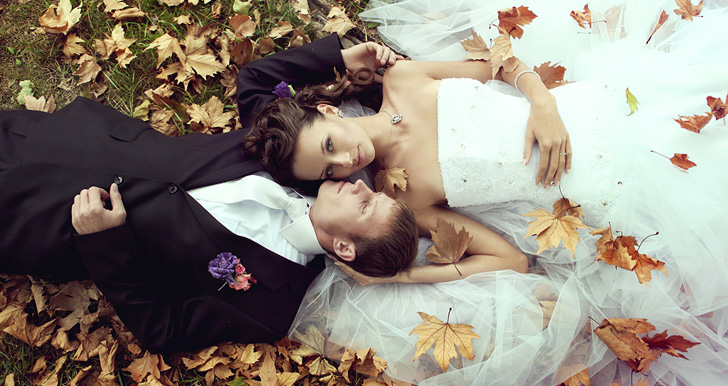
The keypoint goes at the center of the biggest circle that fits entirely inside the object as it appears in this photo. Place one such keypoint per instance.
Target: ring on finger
(564, 153)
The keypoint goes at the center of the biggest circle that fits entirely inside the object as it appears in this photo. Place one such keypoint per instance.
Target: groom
(151, 263)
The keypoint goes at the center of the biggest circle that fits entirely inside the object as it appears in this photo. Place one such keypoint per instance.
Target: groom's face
(343, 208)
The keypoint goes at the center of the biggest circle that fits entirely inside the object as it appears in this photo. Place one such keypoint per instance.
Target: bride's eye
(329, 145)
(329, 171)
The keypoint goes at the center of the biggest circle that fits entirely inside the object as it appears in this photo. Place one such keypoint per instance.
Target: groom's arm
(310, 63)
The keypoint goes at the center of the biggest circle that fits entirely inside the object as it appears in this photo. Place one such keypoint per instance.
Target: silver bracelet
(515, 82)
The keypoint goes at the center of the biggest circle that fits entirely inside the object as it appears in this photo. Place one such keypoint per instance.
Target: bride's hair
(272, 139)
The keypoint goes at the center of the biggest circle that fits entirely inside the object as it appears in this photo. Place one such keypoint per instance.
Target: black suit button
(172, 189)
(118, 179)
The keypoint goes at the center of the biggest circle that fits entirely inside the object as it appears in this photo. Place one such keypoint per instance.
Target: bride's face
(332, 147)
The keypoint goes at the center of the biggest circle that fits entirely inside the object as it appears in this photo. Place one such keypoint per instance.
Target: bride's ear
(327, 109)
(344, 249)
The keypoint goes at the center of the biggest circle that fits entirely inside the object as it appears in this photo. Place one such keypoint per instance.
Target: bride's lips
(360, 156)
(341, 185)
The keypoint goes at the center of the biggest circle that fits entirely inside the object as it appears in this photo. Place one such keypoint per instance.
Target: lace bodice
(481, 134)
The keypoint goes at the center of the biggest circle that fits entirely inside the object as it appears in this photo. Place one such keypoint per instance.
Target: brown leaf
(512, 19)
(681, 160)
(243, 25)
(582, 377)
(386, 180)
(40, 104)
(551, 76)
(304, 13)
(644, 265)
(268, 370)
(582, 18)
(147, 365)
(30, 333)
(566, 207)
(694, 123)
(687, 10)
(449, 244)
(210, 115)
(203, 64)
(448, 339)
(368, 364)
(660, 21)
(283, 29)
(338, 22)
(90, 343)
(501, 55)
(321, 366)
(72, 47)
(617, 252)
(476, 46)
(87, 68)
(669, 344)
(717, 108)
(550, 230)
(620, 335)
(128, 13)
(298, 39)
(60, 18)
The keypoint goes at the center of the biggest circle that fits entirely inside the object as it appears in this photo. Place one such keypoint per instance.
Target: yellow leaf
(210, 115)
(60, 18)
(477, 47)
(449, 244)
(320, 366)
(448, 339)
(387, 179)
(582, 377)
(287, 378)
(632, 102)
(72, 46)
(550, 230)
(204, 64)
(501, 55)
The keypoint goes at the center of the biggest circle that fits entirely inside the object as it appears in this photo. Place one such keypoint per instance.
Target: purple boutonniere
(284, 90)
(226, 266)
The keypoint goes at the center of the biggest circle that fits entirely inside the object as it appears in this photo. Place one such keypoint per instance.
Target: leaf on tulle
(582, 18)
(660, 21)
(717, 108)
(682, 161)
(551, 229)
(694, 123)
(476, 46)
(644, 265)
(551, 75)
(512, 19)
(615, 251)
(632, 102)
(449, 244)
(387, 179)
(687, 10)
(669, 344)
(448, 339)
(580, 378)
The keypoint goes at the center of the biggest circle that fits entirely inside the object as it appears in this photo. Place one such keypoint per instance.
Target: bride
(461, 142)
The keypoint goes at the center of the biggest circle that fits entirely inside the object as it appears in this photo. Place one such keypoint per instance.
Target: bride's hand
(370, 56)
(546, 126)
(365, 280)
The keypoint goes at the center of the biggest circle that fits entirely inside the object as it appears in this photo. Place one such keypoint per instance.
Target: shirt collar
(301, 235)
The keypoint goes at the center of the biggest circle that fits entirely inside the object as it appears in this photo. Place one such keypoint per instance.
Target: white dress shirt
(271, 228)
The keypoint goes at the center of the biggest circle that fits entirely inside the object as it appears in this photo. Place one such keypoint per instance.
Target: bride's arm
(487, 252)
(544, 122)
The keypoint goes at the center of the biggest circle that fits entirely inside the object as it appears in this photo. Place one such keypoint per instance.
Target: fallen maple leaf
(566, 207)
(501, 55)
(72, 47)
(550, 230)
(660, 21)
(448, 339)
(283, 28)
(632, 102)
(669, 344)
(617, 252)
(582, 377)
(243, 25)
(321, 366)
(40, 104)
(166, 45)
(386, 180)
(644, 265)
(29, 332)
(582, 18)
(694, 123)
(147, 365)
(449, 244)
(687, 10)
(60, 18)
(476, 46)
(717, 108)
(210, 115)
(511, 19)
(681, 161)
(338, 22)
(551, 75)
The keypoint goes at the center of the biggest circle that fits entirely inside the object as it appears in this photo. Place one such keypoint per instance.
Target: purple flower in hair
(223, 267)
(284, 90)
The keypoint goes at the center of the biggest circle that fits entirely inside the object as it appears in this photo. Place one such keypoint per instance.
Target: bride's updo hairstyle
(272, 139)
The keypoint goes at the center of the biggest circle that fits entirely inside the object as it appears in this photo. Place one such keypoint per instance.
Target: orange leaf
(644, 264)
(694, 123)
(687, 10)
(449, 244)
(620, 335)
(681, 161)
(566, 207)
(448, 339)
(386, 180)
(717, 108)
(511, 20)
(550, 230)
(660, 21)
(582, 377)
(617, 252)
(669, 344)
(551, 76)
(477, 47)
(582, 18)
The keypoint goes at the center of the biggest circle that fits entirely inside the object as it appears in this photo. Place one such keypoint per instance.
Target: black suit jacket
(154, 267)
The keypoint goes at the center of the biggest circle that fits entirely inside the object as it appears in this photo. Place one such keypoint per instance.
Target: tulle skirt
(537, 328)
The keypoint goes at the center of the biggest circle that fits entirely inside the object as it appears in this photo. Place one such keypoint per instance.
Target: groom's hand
(370, 56)
(89, 213)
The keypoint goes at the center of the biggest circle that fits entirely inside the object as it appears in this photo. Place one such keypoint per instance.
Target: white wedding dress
(536, 328)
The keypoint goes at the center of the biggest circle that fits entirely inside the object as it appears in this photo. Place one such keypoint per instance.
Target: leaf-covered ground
(174, 64)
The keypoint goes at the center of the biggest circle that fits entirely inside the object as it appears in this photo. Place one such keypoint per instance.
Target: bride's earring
(341, 115)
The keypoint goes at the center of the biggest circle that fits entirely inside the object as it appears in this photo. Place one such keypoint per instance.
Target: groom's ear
(344, 249)
(327, 109)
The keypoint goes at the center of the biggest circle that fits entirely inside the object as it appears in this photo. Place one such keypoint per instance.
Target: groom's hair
(391, 251)
(272, 139)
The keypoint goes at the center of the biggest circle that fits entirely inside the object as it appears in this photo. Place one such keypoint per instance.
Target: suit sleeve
(149, 304)
(310, 63)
